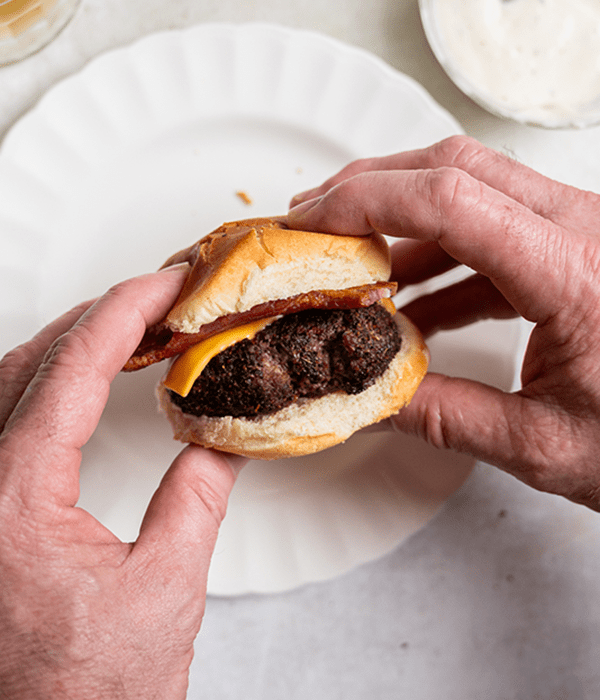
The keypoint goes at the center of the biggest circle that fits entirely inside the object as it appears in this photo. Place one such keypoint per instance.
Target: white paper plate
(142, 153)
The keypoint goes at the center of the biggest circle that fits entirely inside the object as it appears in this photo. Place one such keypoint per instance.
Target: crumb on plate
(244, 197)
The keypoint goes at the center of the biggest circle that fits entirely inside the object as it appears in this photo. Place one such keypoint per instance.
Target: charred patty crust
(302, 355)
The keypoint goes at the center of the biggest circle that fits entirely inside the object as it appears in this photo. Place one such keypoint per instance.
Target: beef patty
(302, 355)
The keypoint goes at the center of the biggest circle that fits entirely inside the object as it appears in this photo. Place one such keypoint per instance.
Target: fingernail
(302, 197)
(301, 209)
(176, 268)
(236, 462)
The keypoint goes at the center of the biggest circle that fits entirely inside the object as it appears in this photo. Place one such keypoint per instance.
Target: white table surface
(499, 596)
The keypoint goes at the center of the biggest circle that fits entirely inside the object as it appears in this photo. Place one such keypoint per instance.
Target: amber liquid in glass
(28, 25)
(16, 16)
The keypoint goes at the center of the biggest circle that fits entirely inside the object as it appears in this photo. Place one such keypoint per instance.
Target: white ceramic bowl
(558, 112)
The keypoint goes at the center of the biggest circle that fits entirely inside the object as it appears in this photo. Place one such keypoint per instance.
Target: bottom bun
(309, 425)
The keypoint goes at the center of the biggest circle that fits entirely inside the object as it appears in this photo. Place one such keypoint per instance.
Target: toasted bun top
(246, 263)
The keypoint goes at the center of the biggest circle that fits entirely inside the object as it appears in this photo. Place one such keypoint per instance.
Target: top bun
(245, 263)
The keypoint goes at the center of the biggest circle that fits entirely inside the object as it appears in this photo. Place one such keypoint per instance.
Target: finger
(63, 403)
(501, 172)
(447, 413)
(522, 436)
(460, 304)
(414, 262)
(523, 254)
(184, 515)
(19, 366)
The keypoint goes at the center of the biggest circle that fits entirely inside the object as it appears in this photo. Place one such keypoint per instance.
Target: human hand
(534, 245)
(82, 614)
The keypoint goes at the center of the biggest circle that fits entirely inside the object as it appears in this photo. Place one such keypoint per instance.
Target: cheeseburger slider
(283, 342)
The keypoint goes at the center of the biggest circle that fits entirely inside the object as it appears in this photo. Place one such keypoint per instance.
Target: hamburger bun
(245, 264)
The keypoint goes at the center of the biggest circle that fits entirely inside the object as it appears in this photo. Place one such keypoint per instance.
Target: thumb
(183, 518)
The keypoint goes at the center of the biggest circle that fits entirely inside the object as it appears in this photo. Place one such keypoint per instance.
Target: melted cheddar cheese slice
(189, 366)
(388, 305)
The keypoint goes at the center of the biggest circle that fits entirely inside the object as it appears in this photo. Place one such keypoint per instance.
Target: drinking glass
(28, 25)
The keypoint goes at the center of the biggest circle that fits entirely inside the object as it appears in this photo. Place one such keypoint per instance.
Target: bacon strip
(161, 342)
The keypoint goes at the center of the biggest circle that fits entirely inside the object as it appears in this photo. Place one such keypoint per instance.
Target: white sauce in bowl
(534, 60)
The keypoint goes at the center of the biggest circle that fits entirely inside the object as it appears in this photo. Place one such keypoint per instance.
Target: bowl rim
(458, 77)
